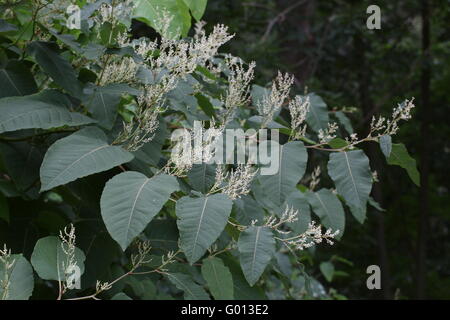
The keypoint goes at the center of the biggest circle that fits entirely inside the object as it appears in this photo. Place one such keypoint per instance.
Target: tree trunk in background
(367, 104)
(425, 116)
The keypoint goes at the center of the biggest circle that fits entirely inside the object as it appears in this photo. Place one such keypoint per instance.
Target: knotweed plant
(124, 133)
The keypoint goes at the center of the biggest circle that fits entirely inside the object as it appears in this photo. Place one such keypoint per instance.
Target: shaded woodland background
(328, 48)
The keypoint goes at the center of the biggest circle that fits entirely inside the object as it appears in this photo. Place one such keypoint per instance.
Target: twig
(279, 17)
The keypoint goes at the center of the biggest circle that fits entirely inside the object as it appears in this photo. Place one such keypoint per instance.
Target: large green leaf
(201, 221)
(256, 248)
(399, 156)
(202, 176)
(44, 110)
(103, 103)
(56, 66)
(350, 172)
(317, 116)
(82, 153)
(218, 277)
(130, 200)
(20, 279)
(328, 208)
(16, 80)
(149, 11)
(292, 165)
(49, 259)
(192, 291)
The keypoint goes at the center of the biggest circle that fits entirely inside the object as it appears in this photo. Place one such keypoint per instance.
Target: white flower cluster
(177, 58)
(382, 126)
(328, 134)
(289, 215)
(68, 240)
(313, 235)
(238, 92)
(8, 263)
(193, 147)
(234, 184)
(298, 108)
(122, 70)
(141, 257)
(169, 61)
(279, 92)
(315, 178)
(145, 120)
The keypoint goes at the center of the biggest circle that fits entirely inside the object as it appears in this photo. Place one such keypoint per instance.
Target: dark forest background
(329, 49)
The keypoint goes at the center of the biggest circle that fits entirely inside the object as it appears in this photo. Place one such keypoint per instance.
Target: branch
(279, 17)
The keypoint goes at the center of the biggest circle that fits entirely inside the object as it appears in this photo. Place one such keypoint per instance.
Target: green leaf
(16, 80)
(242, 290)
(337, 143)
(202, 176)
(247, 210)
(328, 208)
(386, 145)
(317, 116)
(162, 234)
(292, 165)
(298, 201)
(48, 259)
(104, 102)
(6, 27)
(345, 121)
(45, 110)
(4, 209)
(143, 288)
(130, 201)
(82, 153)
(197, 7)
(149, 11)
(56, 66)
(201, 221)
(375, 204)
(192, 291)
(205, 105)
(22, 161)
(399, 156)
(327, 269)
(151, 152)
(256, 247)
(350, 171)
(21, 280)
(218, 277)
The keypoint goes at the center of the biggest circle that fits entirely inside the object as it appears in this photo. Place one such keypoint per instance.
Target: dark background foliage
(329, 49)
